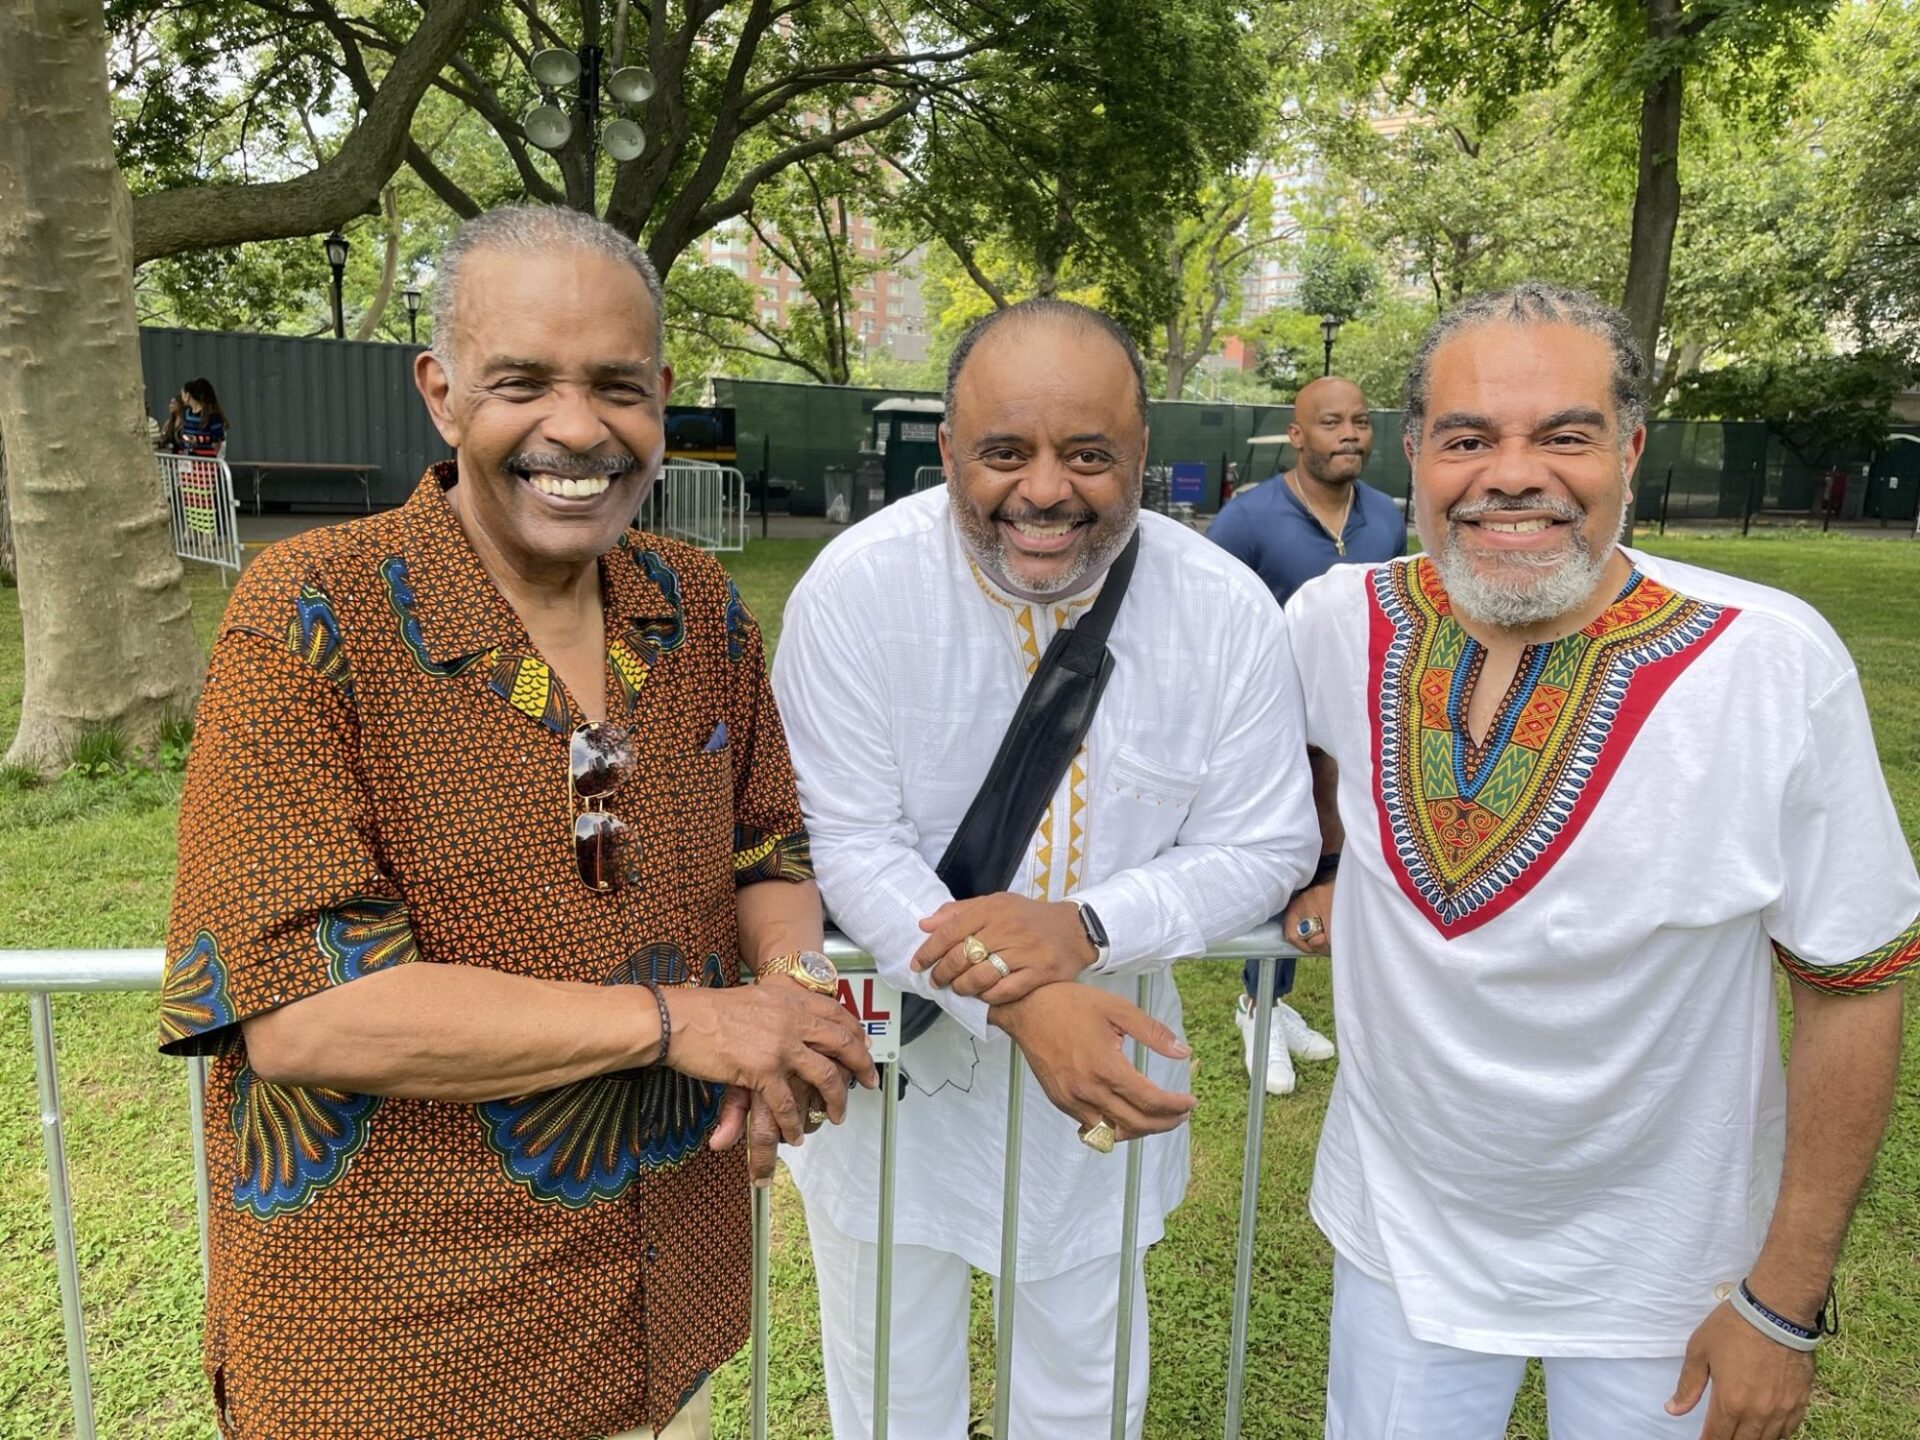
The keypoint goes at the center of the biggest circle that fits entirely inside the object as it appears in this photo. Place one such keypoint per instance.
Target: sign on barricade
(201, 505)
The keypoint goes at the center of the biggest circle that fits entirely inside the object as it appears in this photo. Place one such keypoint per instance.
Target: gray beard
(989, 551)
(1528, 590)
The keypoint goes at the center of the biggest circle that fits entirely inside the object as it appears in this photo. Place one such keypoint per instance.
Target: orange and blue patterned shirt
(379, 775)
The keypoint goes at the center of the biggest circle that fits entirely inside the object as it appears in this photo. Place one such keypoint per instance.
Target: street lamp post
(1329, 327)
(412, 296)
(337, 248)
(549, 127)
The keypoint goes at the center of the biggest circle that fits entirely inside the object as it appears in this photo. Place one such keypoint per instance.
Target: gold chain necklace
(1338, 536)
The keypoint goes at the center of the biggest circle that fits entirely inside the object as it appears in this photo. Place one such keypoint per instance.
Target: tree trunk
(7, 566)
(1656, 199)
(1176, 357)
(109, 636)
(369, 326)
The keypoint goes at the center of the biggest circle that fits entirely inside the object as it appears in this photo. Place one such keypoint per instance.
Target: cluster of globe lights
(550, 127)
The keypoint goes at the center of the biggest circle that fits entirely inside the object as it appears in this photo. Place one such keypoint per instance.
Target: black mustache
(570, 465)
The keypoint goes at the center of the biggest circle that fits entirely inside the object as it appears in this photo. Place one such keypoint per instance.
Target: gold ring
(999, 965)
(1308, 926)
(816, 1118)
(975, 949)
(1098, 1137)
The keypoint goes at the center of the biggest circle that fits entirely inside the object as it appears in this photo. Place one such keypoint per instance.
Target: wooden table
(364, 473)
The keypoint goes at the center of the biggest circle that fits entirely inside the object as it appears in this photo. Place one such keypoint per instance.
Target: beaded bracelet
(1778, 1328)
(666, 1020)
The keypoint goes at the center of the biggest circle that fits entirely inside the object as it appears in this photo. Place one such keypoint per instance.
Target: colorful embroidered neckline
(1468, 829)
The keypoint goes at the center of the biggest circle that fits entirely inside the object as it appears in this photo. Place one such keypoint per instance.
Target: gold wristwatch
(809, 967)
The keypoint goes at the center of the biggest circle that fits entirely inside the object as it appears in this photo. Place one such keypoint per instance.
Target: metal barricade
(205, 515)
(927, 477)
(41, 974)
(705, 505)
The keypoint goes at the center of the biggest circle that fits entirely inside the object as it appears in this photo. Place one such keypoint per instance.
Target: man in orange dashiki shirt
(488, 802)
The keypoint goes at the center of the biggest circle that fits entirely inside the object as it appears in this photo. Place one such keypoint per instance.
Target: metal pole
(1327, 368)
(762, 1279)
(339, 314)
(590, 113)
(1746, 520)
(766, 481)
(60, 1200)
(1666, 496)
(883, 1285)
(202, 1190)
(1009, 1245)
(1129, 1243)
(1249, 1198)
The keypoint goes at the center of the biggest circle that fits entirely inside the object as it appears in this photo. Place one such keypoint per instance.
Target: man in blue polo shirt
(1298, 525)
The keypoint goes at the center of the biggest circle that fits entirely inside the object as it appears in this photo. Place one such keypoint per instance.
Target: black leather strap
(1046, 732)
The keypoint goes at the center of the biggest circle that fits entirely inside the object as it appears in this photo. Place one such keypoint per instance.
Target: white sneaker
(1302, 1039)
(1280, 1078)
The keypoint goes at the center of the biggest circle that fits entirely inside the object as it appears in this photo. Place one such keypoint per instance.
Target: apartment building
(887, 312)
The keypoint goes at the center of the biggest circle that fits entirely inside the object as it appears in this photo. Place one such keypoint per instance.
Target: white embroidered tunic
(1186, 818)
(1559, 1118)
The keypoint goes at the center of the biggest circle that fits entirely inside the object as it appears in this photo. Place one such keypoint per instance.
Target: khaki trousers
(694, 1422)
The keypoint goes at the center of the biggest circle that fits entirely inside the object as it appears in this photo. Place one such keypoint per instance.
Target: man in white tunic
(1591, 796)
(1186, 817)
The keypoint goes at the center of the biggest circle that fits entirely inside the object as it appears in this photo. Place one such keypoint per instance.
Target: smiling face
(555, 404)
(1520, 478)
(1332, 430)
(1044, 452)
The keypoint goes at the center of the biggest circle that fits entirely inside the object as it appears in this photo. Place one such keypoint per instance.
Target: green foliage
(1870, 97)
(1469, 205)
(16, 778)
(98, 752)
(1338, 277)
(1085, 146)
(176, 742)
(1820, 405)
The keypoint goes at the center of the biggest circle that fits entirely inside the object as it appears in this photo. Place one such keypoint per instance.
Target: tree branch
(167, 222)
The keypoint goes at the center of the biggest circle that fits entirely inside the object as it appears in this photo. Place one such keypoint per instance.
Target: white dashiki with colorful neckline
(1560, 1114)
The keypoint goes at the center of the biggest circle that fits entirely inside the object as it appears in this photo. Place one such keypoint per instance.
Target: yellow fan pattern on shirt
(1050, 874)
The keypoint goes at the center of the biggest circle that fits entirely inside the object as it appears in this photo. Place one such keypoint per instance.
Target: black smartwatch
(1096, 932)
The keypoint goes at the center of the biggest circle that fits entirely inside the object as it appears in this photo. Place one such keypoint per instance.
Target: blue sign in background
(1189, 482)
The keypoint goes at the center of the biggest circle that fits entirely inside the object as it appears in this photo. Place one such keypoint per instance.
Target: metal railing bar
(202, 1191)
(1009, 1245)
(762, 1285)
(883, 1284)
(60, 1199)
(76, 971)
(1249, 1196)
(1129, 1242)
(60, 971)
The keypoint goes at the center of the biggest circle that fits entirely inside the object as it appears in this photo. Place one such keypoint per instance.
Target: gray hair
(1048, 308)
(532, 230)
(1535, 302)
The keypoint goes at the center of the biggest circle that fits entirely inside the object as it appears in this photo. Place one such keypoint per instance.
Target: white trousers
(1384, 1384)
(1063, 1344)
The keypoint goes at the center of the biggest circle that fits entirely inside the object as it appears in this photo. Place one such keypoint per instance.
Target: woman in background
(203, 424)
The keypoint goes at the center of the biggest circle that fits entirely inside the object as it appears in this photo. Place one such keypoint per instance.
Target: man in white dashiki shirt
(905, 652)
(1591, 798)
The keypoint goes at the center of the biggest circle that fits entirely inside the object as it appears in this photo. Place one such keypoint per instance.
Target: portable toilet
(907, 433)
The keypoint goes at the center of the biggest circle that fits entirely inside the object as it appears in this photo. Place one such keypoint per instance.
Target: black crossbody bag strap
(1044, 735)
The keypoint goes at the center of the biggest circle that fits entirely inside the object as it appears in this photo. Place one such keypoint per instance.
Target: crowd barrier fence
(42, 974)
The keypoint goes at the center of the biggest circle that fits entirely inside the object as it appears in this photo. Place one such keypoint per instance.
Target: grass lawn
(89, 863)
